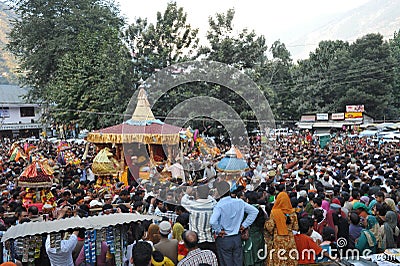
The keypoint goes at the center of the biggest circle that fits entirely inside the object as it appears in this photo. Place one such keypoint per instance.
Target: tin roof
(12, 94)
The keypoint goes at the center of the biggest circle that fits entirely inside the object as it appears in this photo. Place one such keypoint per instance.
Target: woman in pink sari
(325, 205)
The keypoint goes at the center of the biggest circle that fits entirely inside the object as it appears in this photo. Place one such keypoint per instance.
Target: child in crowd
(307, 249)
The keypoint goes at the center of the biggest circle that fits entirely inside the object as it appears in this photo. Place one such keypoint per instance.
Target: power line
(341, 76)
(316, 44)
(336, 79)
(296, 83)
(87, 112)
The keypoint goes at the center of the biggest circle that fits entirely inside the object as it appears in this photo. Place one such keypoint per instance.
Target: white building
(325, 122)
(17, 117)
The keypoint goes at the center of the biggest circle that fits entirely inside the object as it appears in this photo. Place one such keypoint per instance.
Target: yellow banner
(353, 115)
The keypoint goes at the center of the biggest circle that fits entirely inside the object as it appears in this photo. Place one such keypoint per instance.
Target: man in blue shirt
(82, 172)
(226, 223)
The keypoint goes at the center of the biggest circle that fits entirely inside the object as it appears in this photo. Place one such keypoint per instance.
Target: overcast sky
(286, 20)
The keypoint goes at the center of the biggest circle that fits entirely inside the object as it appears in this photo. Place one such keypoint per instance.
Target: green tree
(369, 77)
(278, 76)
(395, 53)
(315, 78)
(49, 35)
(155, 46)
(338, 74)
(93, 79)
(245, 51)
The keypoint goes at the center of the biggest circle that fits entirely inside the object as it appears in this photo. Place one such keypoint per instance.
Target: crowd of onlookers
(301, 197)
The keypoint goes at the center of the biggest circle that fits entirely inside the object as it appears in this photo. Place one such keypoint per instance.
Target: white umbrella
(91, 222)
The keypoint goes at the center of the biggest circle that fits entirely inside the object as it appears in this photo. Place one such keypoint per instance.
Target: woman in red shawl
(336, 218)
(282, 222)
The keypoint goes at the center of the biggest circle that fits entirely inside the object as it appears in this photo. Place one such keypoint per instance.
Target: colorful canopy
(231, 163)
(37, 174)
(16, 152)
(228, 164)
(141, 128)
(104, 164)
(149, 134)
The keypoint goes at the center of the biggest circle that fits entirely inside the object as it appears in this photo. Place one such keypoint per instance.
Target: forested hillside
(7, 61)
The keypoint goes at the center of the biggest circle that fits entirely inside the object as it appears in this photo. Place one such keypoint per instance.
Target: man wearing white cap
(168, 247)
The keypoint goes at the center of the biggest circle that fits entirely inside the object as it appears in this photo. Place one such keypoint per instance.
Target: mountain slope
(7, 61)
(376, 16)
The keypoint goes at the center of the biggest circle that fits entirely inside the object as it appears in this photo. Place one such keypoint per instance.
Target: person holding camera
(62, 256)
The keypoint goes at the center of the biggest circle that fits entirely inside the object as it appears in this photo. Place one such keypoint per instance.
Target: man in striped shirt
(196, 256)
(200, 209)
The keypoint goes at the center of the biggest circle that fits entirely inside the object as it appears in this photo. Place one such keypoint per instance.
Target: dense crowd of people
(300, 198)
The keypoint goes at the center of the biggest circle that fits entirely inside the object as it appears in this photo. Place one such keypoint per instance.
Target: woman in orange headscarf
(282, 222)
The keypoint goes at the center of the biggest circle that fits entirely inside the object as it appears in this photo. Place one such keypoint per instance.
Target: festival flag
(16, 155)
